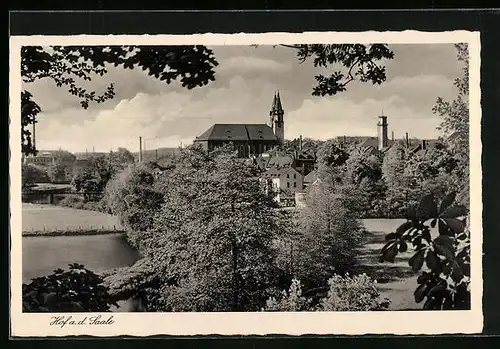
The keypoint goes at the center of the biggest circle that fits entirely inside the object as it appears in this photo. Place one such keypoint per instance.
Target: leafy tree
(91, 179)
(328, 236)
(75, 290)
(363, 179)
(331, 155)
(211, 243)
(31, 174)
(439, 234)
(133, 197)
(62, 165)
(70, 66)
(357, 62)
(455, 123)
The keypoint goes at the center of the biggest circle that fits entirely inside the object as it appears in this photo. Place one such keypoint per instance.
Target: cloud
(326, 118)
(244, 65)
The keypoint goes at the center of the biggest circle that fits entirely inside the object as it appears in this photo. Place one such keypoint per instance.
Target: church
(249, 139)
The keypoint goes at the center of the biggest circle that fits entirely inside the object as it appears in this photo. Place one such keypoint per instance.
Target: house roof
(280, 161)
(310, 177)
(238, 132)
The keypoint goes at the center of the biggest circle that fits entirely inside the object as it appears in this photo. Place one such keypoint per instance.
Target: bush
(75, 290)
(358, 293)
(73, 201)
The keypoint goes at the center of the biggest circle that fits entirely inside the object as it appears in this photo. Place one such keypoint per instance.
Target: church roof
(238, 132)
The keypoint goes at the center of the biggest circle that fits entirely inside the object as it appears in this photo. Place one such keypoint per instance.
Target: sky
(168, 115)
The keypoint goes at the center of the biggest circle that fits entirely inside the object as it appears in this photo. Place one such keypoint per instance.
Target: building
(43, 159)
(249, 139)
(286, 182)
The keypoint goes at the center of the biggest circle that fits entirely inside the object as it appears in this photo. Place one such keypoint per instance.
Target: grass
(396, 281)
(46, 219)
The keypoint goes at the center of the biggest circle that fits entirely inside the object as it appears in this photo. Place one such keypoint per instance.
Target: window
(287, 175)
(294, 176)
(288, 184)
(295, 184)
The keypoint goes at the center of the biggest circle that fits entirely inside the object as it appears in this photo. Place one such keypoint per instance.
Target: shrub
(289, 301)
(73, 201)
(75, 290)
(358, 293)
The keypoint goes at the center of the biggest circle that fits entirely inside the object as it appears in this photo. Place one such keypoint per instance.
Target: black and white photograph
(245, 178)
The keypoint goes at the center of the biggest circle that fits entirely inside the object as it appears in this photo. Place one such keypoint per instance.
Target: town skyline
(246, 80)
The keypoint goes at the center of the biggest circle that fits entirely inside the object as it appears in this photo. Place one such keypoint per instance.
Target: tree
(211, 242)
(357, 62)
(69, 66)
(455, 123)
(133, 197)
(91, 179)
(445, 282)
(330, 154)
(62, 165)
(363, 178)
(328, 236)
(31, 174)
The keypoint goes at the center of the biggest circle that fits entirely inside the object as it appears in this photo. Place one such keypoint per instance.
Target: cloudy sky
(246, 79)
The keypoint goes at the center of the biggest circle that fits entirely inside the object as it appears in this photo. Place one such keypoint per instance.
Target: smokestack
(392, 136)
(424, 145)
(140, 149)
(382, 132)
(407, 140)
(300, 143)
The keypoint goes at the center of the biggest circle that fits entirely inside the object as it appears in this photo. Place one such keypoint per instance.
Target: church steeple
(276, 114)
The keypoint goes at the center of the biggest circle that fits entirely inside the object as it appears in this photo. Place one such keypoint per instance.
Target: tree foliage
(75, 290)
(455, 121)
(211, 241)
(70, 66)
(439, 234)
(345, 293)
(357, 62)
(31, 174)
(133, 196)
(327, 236)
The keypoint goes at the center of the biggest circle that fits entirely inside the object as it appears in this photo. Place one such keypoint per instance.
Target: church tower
(276, 115)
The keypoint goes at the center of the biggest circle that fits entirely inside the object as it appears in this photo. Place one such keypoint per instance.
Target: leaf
(457, 274)
(391, 252)
(445, 251)
(427, 208)
(403, 246)
(447, 201)
(420, 293)
(432, 261)
(454, 212)
(444, 229)
(423, 278)
(411, 214)
(390, 237)
(404, 227)
(446, 241)
(417, 260)
(456, 225)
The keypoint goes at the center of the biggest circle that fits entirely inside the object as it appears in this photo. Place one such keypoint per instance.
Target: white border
(142, 324)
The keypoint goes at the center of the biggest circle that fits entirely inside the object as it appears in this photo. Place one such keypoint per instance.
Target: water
(43, 254)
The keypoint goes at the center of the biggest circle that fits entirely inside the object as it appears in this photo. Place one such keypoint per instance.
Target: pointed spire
(278, 102)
